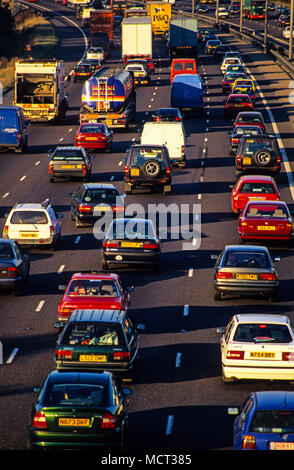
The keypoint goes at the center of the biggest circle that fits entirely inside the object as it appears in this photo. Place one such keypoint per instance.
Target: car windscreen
(140, 156)
(273, 421)
(93, 287)
(262, 333)
(272, 211)
(102, 195)
(259, 188)
(81, 395)
(246, 260)
(68, 155)
(93, 334)
(29, 217)
(6, 252)
(131, 229)
(252, 146)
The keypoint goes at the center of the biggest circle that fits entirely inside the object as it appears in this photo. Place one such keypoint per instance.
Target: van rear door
(9, 128)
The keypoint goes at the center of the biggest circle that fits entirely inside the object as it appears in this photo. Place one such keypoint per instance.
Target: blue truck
(182, 41)
(187, 94)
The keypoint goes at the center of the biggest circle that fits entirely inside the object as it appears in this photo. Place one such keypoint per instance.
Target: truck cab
(182, 66)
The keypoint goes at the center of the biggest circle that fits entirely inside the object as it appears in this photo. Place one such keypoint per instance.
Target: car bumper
(125, 258)
(122, 370)
(240, 288)
(35, 241)
(257, 236)
(259, 170)
(258, 372)
(10, 284)
(92, 145)
(67, 174)
(41, 439)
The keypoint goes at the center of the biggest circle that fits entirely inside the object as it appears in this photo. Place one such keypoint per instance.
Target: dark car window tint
(252, 146)
(99, 129)
(75, 395)
(257, 333)
(6, 252)
(29, 217)
(100, 195)
(253, 131)
(68, 155)
(246, 260)
(273, 421)
(250, 118)
(132, 229)
(178, 67)
(93, 334)
(257, 188)
(238, 99)
(140, 156)
(270, 211)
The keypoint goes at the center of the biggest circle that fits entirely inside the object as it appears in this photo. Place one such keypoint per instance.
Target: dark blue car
(265, 422)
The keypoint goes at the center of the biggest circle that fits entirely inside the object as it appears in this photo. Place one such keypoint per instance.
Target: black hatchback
(167, 114)
(98, 340)
(148, 166)
(258, 153)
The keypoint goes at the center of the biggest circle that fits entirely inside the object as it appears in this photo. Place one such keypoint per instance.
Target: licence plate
(91, 138)
(79, 422)
(186, 109)
(250, 277)
(29, 235)
(135, 172)
(67, 167)
(247, 161)
(130, 245)
(266, 227)
(92, 358)
(282, 446)
(102, 208)
(256, 198)
(262, 355)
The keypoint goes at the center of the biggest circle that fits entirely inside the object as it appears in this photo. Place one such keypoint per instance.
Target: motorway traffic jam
(100, 342)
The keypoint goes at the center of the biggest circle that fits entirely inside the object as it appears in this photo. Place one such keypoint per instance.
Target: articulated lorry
(160, 14)
(109, 96)
(137, 40)
(39, 89)
(183, 38)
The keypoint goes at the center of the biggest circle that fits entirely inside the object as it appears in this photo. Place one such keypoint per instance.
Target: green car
(78, 410)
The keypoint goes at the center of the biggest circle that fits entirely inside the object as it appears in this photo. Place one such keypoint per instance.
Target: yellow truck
(160, 13)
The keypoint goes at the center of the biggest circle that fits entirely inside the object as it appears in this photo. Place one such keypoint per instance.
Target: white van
(170, 134)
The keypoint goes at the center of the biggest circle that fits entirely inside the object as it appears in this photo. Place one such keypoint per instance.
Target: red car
(250, 118)
(266, 220)
(253, 188)
(94, 136)
(235, 103)
(93, 291)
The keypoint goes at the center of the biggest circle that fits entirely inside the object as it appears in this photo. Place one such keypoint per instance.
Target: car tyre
(218, 296)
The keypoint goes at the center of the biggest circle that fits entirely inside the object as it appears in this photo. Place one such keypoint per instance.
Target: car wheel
(218, 296)
(52, 179)
(104, 266)
(151, 168)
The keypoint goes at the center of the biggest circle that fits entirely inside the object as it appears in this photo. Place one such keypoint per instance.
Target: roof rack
(46, 202)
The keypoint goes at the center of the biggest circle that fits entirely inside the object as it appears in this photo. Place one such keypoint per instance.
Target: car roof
(61, 377)
(109, 316)
(31, 206)
(261, 318)
(99, 186)
(257, 178)
(248, 248)
(84, 276)
(268, 203)
(270, 400)
(251, 113)
(68, 147)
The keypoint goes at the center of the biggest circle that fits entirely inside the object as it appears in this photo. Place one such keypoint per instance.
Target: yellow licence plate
(80, 422)
(92, 358)
(91, 138)
(29, 235)
(250, 277)
(135, 172)
(130, 245)
(262, 355)
(282, 445)
(266, 227)
(102, 208)
(68, 167)
(247, 161)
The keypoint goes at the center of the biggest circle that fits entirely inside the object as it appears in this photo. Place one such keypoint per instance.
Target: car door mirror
(140, 327)
(130, 289)
(126, 391)
(221, 330)
(61, 287)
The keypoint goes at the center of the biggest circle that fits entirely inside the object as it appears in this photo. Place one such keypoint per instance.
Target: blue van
(13, 128)
(187, 94)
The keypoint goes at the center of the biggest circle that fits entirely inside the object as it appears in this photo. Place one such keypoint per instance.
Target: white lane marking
(199, 196)
(186, 310)
(12, 356)
(40, 305)
(23, 178)
(37, 163)
(190, 272)
(178, 359)
(77, 239)
(111, 178)
(5, 195)
(169, 425)
(61, 268)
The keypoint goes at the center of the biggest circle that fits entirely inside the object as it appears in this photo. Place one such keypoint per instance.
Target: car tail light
(84, 168)
(103, 138)
(82, 208)
(224, 275)
(278, 158)
(268, 277)
(108, 421)
(118, 208)
(50, 168)
(168, 170)
(235, 354)
(65, 311)
(248, 442)
(19, 136)
(127, 170)
(79, 137)
(51, 230)
(60, 354)
(177, 119)
(110, 245)
(183, 149)
(12, 272)
(157, 119)
(150, 246)
(121, 356)
(39, 420)
(235, 141)
(5, 231)
(238, 158)
(288, 356)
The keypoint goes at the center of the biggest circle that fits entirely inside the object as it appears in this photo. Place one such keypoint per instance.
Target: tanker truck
(109, 97)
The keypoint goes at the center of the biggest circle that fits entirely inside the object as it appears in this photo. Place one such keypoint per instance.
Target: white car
(32, 224)
(229, 61)
(286, 32)
(222, 12)
(259, 347)
(96, 53)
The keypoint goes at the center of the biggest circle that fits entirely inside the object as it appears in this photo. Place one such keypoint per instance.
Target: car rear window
(8, 121)
(101, 195)
(29, 217)
(239, 131)
(93, 334)
(273, 421)
(6, 252)
(69, 395)
(262, 333)
(189, 66)
(270, 211)
(178, 67)
(93, 129)
(259, 188)
(246, 260)
(93, 287)
(68, 155)
(140, 156)
(132, 229)
(238, 99)
(251, 146)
